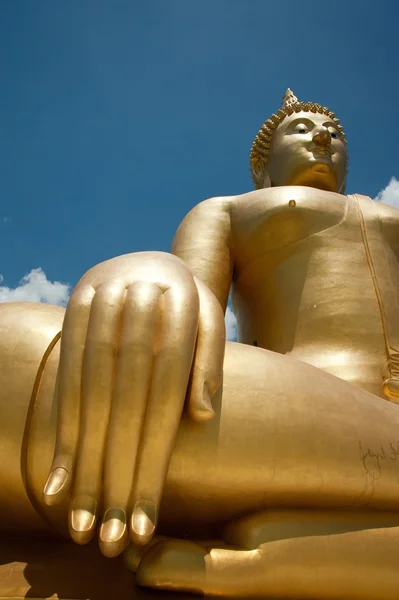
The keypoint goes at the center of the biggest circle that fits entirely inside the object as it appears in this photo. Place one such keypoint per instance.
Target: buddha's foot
(359, 565)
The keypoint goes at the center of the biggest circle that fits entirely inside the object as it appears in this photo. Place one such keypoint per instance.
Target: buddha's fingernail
(113, 526)
(55, 482)
(83, 514)
(144, 519)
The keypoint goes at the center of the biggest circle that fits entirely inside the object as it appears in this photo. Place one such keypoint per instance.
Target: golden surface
(279, 467)
(259, 155)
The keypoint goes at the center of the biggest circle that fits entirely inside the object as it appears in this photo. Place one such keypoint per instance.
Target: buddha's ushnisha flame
(259, 154)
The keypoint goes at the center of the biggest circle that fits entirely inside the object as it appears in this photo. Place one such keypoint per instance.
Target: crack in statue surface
(378, 456)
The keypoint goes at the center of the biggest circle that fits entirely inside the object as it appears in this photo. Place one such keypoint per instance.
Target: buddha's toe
(174, 565)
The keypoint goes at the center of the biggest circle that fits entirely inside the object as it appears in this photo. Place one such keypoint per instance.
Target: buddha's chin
(318, 175)
(321, 168)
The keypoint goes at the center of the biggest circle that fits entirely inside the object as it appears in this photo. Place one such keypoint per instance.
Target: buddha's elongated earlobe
(257, 169)
(266, 179)
(260, 174)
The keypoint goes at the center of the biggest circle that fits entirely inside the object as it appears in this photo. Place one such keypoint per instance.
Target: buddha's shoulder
(388, 216)
(387, 213)
(211, 207)
(389, 219)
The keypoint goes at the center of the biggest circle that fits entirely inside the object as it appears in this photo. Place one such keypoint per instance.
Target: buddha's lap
(278, 417)
(285, 433)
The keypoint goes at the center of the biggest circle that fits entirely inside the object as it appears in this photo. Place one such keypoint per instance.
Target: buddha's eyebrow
(330, 124)
(309, 122)
(301, 120)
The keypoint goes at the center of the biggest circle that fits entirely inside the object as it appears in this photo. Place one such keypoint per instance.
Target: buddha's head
(303, 144)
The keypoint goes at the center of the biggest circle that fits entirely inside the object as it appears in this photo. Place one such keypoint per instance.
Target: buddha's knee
(28, 333)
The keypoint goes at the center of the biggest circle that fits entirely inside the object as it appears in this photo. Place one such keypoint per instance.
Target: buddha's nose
(322, 137)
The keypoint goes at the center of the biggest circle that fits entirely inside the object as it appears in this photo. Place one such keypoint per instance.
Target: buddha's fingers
(140, 324)
(97, 383)
(208, 365)
(172, 365)
(361, 564)
(73, 339)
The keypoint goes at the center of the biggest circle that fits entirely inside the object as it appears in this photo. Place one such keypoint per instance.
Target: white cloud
(35, 287)
(390, 194)
(231, 325)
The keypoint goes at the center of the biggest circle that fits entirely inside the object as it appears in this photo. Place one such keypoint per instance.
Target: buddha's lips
(321, 168)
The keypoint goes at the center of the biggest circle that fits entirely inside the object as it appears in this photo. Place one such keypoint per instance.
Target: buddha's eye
(333, 132)
(301, 128)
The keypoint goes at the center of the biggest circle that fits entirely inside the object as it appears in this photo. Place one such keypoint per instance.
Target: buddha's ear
(266, 179)
(260, 174)
(343, 187)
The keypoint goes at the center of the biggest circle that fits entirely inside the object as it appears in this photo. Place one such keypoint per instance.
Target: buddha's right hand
(135, 328)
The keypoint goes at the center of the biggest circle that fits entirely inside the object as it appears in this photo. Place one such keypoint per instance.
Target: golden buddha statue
(270, 468)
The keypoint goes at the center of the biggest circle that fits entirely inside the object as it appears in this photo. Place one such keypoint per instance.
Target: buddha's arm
(153, 292)
(135, 329)
(172, 326)
(204, 242)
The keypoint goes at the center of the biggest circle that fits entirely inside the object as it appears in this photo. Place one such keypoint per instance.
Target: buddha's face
(307, 149)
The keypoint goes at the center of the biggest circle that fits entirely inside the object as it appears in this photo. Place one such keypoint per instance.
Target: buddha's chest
(319, 270)
(294, 220)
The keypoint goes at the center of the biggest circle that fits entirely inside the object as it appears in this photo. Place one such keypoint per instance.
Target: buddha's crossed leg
(288, 435)
(359, 565)
(337, 549)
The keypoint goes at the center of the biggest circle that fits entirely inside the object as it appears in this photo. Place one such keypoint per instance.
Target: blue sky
(118, 116)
